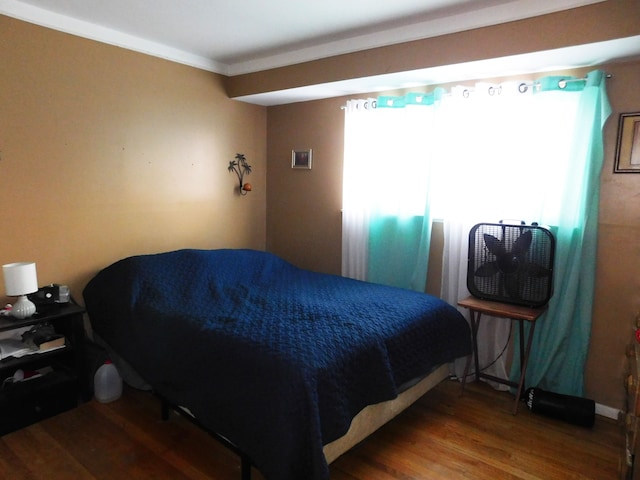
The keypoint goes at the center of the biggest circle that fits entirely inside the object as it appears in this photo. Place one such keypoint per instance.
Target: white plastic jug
(107, 383)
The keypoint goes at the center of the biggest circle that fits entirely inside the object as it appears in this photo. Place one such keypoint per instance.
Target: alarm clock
(50, 294)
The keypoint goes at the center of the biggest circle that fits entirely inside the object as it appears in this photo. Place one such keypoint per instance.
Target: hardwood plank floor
(443, 436)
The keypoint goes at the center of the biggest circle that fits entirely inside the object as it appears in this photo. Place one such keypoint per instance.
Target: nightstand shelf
(61, 388)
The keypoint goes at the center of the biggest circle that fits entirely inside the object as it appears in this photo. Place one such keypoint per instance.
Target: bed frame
(367, 421)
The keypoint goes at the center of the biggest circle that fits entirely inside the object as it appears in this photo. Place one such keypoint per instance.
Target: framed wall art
(301, 159)
(628, 145)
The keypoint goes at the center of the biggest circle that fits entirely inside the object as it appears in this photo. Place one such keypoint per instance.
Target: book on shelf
(42, 338)
(24, 341)
(56, 341)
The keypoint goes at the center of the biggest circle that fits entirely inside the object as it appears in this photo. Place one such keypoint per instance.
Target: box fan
(511, 263)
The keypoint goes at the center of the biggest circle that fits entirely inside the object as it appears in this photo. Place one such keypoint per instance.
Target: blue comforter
(275, 358)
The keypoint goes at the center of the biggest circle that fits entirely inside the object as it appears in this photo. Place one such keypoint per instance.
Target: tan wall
(304, 223)
(107, 153)
(617, 295)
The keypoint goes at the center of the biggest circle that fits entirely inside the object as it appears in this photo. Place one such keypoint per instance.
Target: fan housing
(511, 263)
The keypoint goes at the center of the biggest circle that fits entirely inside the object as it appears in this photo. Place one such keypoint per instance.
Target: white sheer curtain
(360, 124)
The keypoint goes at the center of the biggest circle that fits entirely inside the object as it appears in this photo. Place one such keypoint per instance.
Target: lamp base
(23, 308)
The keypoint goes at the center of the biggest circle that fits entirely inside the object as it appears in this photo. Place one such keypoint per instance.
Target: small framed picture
(301, 159)
(628, 146)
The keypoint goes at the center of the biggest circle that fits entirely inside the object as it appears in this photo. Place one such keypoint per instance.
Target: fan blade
(522, 243)
(537, 271)
(487, 269)
(494, 245)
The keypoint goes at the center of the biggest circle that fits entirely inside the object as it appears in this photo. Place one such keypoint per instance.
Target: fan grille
(511, 263)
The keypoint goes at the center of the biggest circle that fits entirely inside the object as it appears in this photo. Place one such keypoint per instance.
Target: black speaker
(511, 263)
(576, 410)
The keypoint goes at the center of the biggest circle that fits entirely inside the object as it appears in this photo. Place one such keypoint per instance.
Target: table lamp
(21, 279)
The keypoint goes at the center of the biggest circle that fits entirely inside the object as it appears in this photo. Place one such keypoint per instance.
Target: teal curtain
(561, 340)
(399, 250)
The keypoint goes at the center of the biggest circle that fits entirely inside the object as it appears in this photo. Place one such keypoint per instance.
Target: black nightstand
(61, 388)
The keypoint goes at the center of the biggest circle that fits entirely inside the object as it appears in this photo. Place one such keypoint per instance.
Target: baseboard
(608, 412)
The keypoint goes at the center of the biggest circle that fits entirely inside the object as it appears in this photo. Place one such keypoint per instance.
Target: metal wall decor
(240, 167)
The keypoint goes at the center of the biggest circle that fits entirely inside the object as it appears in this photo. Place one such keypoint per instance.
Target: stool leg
(474, 320)
(523, 366)
(475, 325)
(466, 373)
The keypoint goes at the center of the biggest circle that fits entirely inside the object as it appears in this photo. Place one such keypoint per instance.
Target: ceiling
(237, 37)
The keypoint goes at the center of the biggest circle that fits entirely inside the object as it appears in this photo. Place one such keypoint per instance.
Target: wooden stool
(476, 308)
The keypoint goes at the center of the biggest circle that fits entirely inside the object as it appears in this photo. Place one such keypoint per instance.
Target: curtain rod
(523, 87)
(561, 83)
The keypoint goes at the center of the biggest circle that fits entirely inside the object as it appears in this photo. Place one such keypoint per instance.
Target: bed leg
(245, 461)
(245, 467)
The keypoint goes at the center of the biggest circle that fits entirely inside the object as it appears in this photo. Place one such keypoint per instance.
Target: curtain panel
(523, 151)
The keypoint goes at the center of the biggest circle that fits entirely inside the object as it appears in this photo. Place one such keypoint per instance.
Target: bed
(284, 363)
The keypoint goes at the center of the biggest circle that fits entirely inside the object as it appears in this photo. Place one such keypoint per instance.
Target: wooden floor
(443, 436)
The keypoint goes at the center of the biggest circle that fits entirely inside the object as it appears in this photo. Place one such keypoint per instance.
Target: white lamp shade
(20, 278)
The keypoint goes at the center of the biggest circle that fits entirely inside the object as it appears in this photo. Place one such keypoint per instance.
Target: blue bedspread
(275, 358)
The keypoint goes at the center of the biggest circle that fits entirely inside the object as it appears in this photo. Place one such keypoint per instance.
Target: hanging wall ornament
(240, 167)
